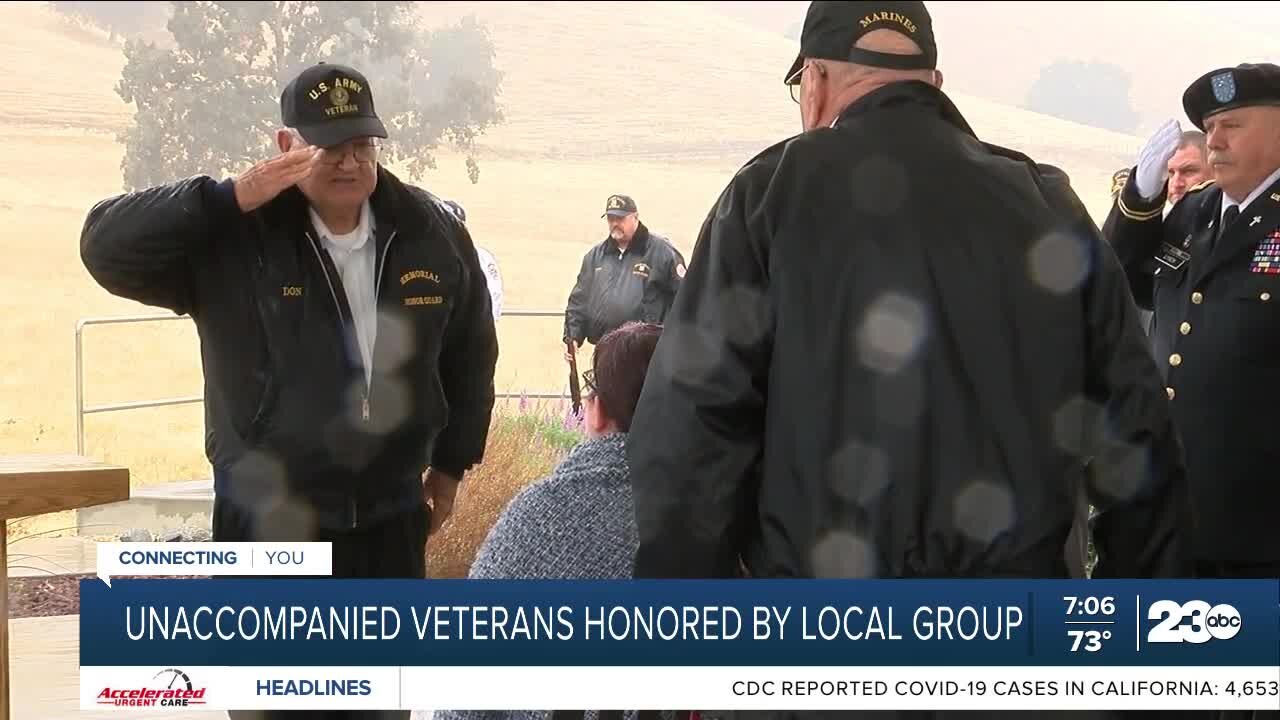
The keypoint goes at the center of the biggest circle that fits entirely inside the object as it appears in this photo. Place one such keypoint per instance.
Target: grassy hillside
(693, 83)
(47, 86)
(997, 49)
(658, 100)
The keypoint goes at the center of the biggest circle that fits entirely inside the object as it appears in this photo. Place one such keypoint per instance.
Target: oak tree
(210, 102)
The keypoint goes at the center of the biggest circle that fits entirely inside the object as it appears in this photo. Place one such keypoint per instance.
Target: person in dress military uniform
(1186, 168)
(1210, 271)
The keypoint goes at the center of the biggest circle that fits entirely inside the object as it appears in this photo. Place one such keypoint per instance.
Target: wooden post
(4, 615)
(40, 484)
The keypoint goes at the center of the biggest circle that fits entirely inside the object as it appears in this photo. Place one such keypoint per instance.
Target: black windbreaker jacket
(289, 414)
(895, 353)
(613, 288)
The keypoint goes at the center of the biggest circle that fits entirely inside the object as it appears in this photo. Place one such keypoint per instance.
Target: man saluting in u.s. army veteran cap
(1210, 271)
(346, 332)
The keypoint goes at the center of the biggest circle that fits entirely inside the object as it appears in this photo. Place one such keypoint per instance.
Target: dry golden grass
(615, 84)
(517, 454)
(664, 113)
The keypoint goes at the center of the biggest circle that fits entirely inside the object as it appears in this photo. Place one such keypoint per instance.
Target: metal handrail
(82, 411)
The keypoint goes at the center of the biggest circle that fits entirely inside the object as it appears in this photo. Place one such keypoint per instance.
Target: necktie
(1228, 217)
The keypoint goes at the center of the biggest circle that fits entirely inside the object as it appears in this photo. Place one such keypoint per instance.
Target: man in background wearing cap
(886, 351)
(345, 332)
(633, 274)
(1210, 271)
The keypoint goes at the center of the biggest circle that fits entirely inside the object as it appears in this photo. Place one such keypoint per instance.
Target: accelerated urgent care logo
(168, 688)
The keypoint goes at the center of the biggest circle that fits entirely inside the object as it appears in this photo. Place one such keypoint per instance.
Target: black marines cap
(1229, 88)
(330, 104)
(619, 206)
(832, 28)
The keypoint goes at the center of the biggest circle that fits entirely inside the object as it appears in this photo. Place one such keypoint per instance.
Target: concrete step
(154, 508)
(188, 490)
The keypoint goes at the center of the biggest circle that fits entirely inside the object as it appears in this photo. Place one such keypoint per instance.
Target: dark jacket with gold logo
(616, 287)
(290, 416)
(1216, 338)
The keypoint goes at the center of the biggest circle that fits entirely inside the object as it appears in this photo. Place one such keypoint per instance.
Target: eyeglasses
(793, 83)
(365, 153)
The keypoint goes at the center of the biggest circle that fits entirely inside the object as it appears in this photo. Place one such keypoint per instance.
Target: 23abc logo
(1192, 622)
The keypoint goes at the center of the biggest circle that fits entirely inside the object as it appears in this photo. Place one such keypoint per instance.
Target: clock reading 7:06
(1090, 605)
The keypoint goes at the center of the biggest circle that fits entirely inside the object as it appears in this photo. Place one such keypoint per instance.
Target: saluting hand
(1153, 161)
(259, 184)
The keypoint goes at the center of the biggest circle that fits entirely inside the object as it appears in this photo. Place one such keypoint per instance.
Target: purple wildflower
(572, 420)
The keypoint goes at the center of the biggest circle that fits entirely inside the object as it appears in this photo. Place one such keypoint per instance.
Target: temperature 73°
(1091, 639)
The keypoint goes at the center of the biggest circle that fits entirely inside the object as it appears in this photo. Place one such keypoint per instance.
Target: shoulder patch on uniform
(1201, 186)
(679, 270)
(1118, 181)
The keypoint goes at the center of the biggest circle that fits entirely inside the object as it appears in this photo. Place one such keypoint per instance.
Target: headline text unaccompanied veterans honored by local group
(618, 623)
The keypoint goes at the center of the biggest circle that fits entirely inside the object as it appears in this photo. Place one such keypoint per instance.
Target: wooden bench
(37, 485)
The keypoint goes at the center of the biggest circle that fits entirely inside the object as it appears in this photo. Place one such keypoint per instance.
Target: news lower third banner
(292, 643)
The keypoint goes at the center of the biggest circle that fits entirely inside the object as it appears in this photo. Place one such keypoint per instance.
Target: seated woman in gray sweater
(578, 523)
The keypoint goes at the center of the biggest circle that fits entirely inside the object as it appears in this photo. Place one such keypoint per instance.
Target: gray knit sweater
(578, 523)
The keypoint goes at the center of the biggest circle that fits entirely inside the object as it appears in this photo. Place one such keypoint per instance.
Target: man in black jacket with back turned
(895, 350)
(345, 331)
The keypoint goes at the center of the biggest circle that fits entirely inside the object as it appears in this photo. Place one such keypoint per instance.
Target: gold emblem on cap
(892, 17)
(339, 96)
(615, 202)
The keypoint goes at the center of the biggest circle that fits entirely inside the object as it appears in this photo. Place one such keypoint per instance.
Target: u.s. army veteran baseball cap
(330, 104)
(832, 28)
